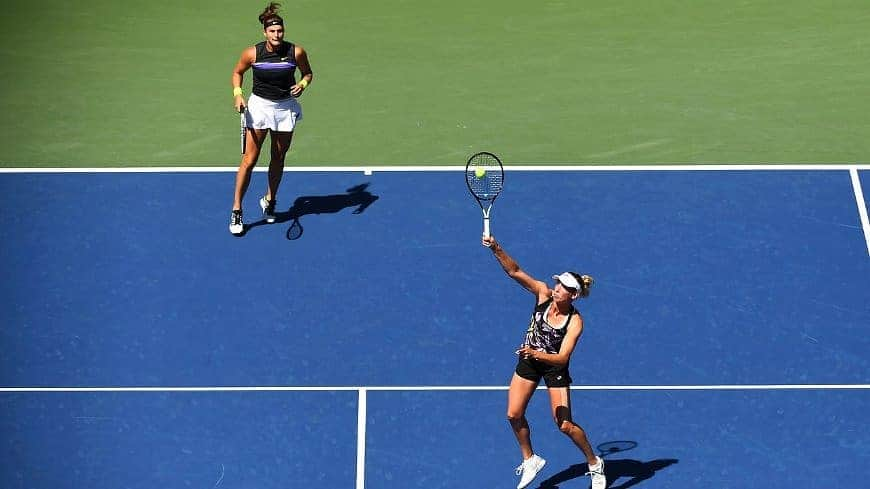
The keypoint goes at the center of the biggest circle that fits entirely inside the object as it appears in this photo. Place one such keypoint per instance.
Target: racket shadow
(357, 196)
(620, 473)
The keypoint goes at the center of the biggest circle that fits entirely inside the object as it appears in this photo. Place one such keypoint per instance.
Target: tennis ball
(480, 173)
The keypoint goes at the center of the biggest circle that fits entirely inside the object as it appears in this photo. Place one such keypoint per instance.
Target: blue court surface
(366, 339)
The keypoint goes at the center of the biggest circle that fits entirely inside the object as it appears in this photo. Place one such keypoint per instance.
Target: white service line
(361, 440)
(862, 205)
(430, 388)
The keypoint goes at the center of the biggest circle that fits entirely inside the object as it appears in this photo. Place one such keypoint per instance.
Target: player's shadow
(357, 196)
(634, 471)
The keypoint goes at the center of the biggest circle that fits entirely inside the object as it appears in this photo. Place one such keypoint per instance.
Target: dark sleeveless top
(542, 336)
(274, 71)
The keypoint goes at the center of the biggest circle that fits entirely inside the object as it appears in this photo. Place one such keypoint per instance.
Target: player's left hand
(527, 352)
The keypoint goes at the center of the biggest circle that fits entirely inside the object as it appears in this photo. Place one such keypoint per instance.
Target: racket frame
(469, 174)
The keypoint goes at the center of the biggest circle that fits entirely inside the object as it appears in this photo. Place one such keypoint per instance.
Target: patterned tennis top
(543, 336)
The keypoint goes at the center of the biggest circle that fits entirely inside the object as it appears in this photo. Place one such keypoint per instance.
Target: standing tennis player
(550, 339)
(272, 107)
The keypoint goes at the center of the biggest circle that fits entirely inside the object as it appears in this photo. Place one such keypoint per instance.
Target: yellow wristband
(303, 83)
(237, 91)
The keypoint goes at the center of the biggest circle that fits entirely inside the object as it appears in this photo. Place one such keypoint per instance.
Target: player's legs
(280, 145)
(519, 394)
(255, 138)
(560, 403)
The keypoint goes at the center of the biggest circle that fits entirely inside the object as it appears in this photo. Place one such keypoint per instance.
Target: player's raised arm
(512, 268)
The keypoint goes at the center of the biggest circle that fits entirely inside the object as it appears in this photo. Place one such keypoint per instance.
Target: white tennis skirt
(277, 115)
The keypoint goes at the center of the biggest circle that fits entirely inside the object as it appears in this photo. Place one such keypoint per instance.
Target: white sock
(596, 466)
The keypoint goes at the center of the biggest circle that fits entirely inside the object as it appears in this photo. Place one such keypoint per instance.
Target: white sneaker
(529, 469)
(599, 481)
(268, 207)
(236, 224)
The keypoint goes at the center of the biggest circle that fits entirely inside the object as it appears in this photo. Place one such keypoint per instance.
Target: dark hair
(585, 282)
(270, 15)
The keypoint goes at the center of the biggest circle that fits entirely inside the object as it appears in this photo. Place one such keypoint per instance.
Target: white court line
(361, 440)
(862, 205)
(368, 170)
(712, 387)
(419, 168)
(362, 395)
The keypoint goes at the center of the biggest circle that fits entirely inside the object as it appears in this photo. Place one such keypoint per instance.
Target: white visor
(568, 280)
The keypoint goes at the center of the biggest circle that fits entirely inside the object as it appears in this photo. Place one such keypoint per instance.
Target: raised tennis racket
(242, 131)
(484, 175)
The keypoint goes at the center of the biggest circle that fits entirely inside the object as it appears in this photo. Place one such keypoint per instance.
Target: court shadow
(634, 471)
(357, 196)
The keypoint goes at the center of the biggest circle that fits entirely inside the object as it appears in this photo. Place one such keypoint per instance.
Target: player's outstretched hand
(489, 241)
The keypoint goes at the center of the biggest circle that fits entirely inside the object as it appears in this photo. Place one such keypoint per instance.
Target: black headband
(273, 21)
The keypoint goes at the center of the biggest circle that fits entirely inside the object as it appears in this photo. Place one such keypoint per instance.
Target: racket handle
(243, 131)
(485, 227)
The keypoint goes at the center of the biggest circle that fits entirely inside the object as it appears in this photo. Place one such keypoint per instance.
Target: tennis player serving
(272, 107)
(553, 332)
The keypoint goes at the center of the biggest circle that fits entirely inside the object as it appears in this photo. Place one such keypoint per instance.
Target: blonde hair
(585, 282)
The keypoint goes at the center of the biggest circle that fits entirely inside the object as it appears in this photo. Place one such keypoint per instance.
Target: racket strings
(491, 180)
(488, 186)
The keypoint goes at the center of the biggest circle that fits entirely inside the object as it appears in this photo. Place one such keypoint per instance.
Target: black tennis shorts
(534, 370)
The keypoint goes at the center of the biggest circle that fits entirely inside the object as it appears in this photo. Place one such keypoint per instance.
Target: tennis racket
(484, 175)
(242, 130)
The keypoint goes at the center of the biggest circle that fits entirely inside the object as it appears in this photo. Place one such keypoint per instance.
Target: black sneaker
(268, 207)
(236, 224)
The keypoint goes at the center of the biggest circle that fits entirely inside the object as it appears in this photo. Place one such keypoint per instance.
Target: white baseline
(442, 168)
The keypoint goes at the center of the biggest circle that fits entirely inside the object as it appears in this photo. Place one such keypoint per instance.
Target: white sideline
(862, 205)
(361, 440)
